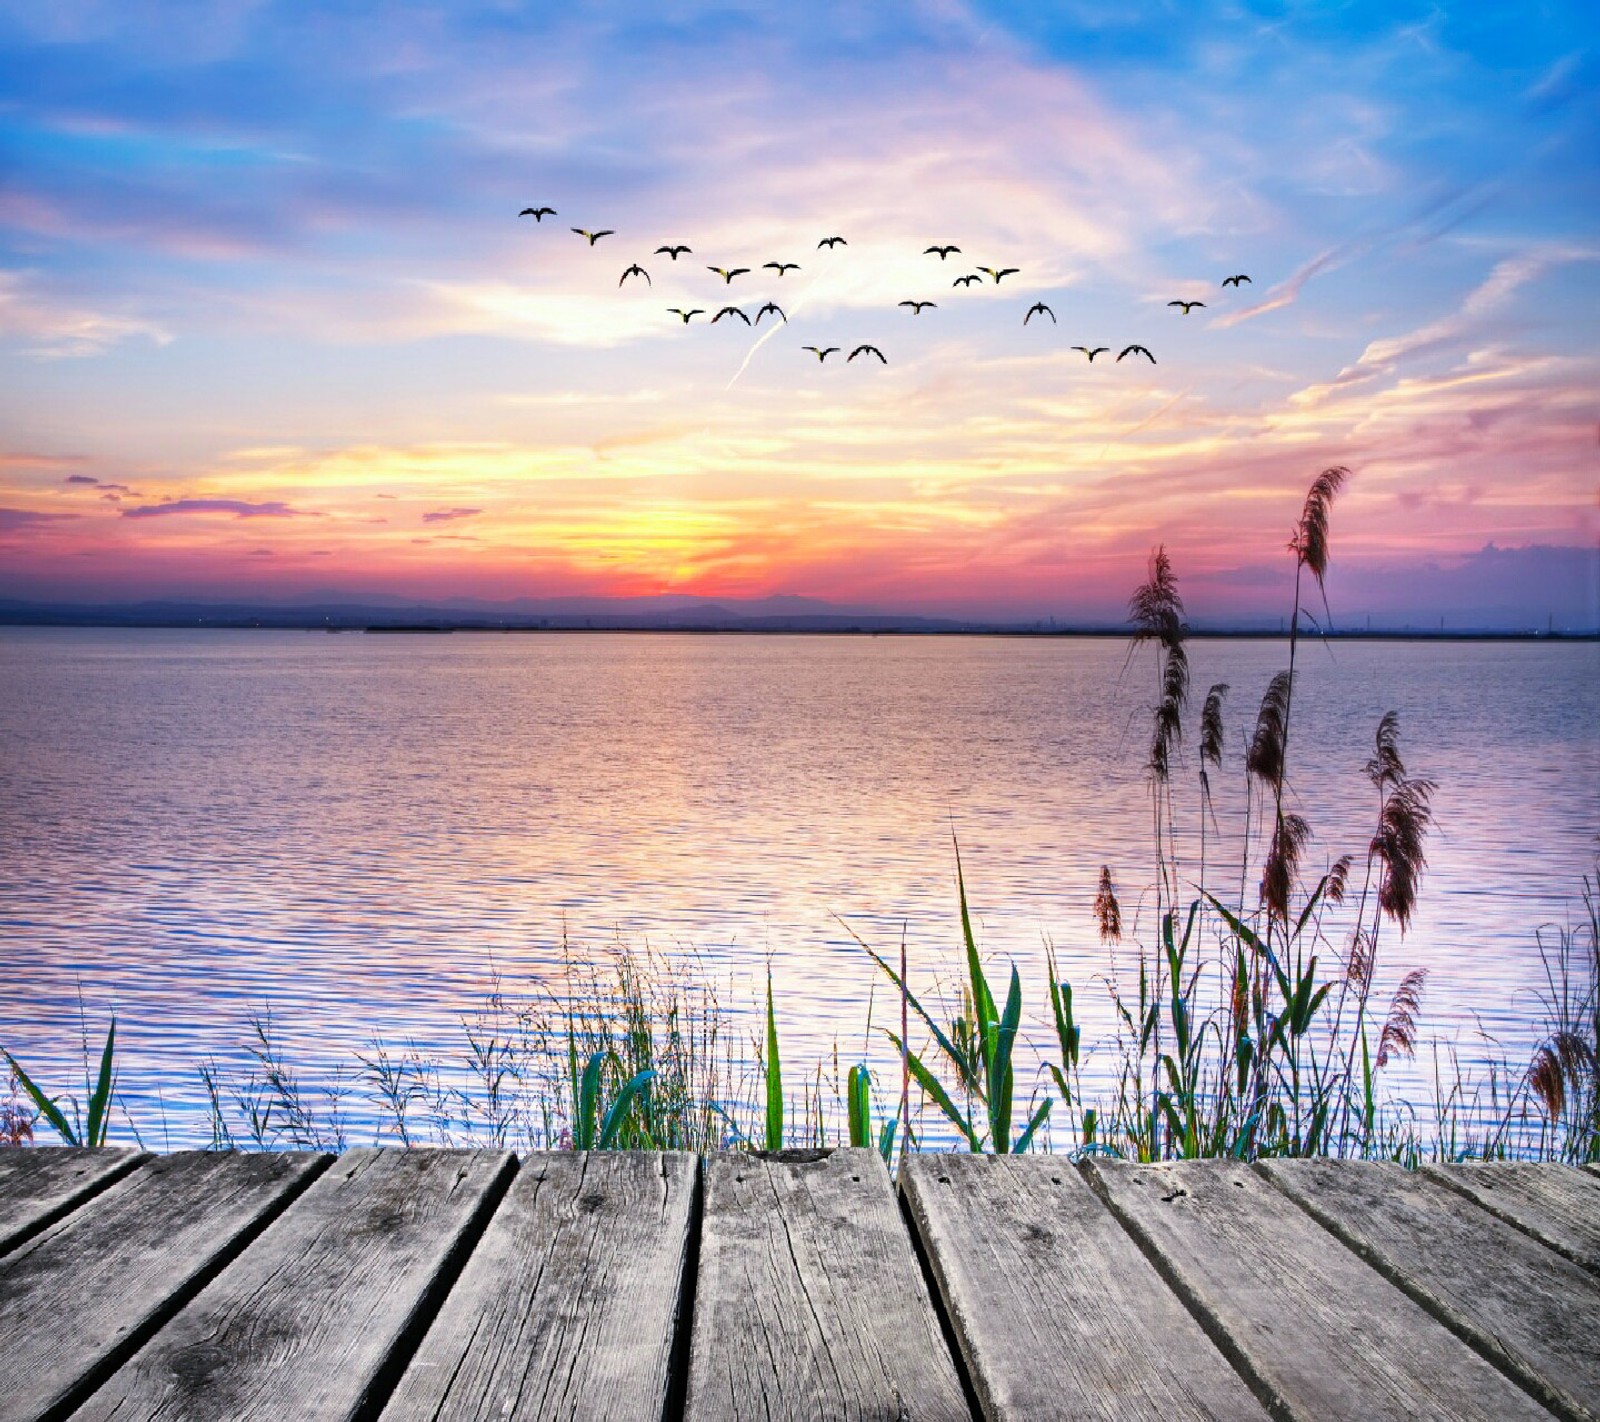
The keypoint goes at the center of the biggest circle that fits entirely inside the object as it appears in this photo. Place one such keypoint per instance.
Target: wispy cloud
(237, 507)
(449, 515)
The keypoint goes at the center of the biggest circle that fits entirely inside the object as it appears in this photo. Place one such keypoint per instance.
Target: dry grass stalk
(1399, 847)
(1265, 757)
(1310, 541)
(1289, 839)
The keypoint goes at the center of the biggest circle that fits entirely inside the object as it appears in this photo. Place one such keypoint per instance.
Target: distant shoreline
(844, 627)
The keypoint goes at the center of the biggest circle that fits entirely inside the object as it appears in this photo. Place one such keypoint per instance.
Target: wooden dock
(621, 1285)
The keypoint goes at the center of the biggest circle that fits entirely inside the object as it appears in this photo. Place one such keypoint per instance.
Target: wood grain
(569, 1305)
(39, 1185)
(1056, 1310)
(1558, 1206)
(80, 1296)
(1531, 1312)
(1321, 1333)
(810, 1302)
(306, 1322)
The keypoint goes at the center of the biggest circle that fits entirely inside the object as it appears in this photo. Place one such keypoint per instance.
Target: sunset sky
(270, 325)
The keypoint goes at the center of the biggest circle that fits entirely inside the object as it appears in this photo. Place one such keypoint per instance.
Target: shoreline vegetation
(1259, 1006)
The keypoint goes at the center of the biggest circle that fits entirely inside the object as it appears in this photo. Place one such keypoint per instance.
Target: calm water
(358, 830)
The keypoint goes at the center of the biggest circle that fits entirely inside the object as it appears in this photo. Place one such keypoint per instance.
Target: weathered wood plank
(568, 1306)
(39, 1185)
(1321, 1334)
(1531, 1312)
(1057, 1312)
(809, 1301)
(1557, 1205)
(306, 1322)
(81, 1295)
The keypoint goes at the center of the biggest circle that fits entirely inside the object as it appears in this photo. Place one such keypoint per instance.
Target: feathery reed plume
(1399, 847)
(1386, 769)
(1310, 542)
(1283, 862)
(1564, 1060)
(1399, 1033)
(1338, 880)
(1358, 967)
(1156, 610)
(1211, 725)
(1107, 911)
(1265, 757)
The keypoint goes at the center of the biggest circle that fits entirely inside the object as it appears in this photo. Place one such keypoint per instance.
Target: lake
(360, 832)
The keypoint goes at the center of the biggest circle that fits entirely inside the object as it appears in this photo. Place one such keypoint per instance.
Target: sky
(271, 325)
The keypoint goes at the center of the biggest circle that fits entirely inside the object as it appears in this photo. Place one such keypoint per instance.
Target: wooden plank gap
(1211, 1323)
(434, 1293)
(42, 1184)
(931, 1285)
(1522, 1308)
(677, 1399)
(1554, 1204)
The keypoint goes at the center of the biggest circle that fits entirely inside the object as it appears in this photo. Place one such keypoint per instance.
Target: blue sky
(260, 268)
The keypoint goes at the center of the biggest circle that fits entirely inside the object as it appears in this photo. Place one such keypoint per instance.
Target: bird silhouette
(942, 252)
(636, 270)
(781, 267)
(1137, 350)
(1235, 280)
(1003, 272)
(1040, 308)
(916, 306)
(773, 307)
(1097, 350)
(866, 350)
(730, 311)
(538, 214)
(675, 250)
(832, 242)
(965, 280)
(676, 311)
(726, 275)
(594, 236)
(822, 352)
(1187, 306)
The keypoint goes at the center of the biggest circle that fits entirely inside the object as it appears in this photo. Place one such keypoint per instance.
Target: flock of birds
(943, 251)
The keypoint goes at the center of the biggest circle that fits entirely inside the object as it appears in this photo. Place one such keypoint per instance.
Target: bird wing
(1177, 303)
(526, 212)
(1007, 271)
(603, 232)
(1200, 304)
(739, 271)
(580, 231)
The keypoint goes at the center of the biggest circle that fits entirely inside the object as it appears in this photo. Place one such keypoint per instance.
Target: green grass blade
(1026, 1138)
(47, 1108)
(774, 1112)
(1001, 1076)
(99, 1120)
(618, 1112)
(858, 1100)
(886, 1140)
(982, 998)
(941, 1098)
(584, 1126)
(939, 1034)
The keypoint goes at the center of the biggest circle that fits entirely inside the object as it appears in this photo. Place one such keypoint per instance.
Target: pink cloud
(445, 515)
(237, 507)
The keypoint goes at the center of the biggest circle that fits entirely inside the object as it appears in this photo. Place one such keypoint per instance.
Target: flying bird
(1041, 309)
(773, 307)
(726, 275)
(1003, 272)
(685, 314)
(831, 242)
(594, 236)
(636, 270)
(1187, 306)
(674, 251)
(965, 280)
(822, 352)
(730, 311)
(916, 306)
(943, 252)
(1235, 280)
(781, 267)
(1137, 350)
(865, 350)
(538, 214)
(1097, 350)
